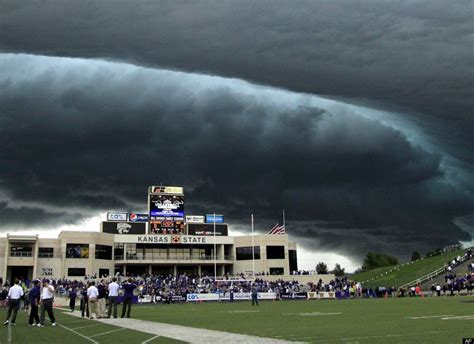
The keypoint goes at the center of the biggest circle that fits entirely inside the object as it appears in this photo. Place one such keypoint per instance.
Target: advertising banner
(226, 297)
(134, 217)
(177, 190)
(124, 227)
(343, 295)
(194, 219)
(77, 250)
(165, 205)
(321, 295)
(112, 216)
(294, 296)
(207, 229)
(211, 218)
(202, 297)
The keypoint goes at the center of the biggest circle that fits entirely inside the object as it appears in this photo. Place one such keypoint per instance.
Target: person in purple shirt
(72, 297)
(34, 296)
(128, 288)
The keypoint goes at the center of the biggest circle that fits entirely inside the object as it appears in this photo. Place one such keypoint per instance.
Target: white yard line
(79, 334)
(9, 333)
(460, 317)
(75, 322)
(101, 334)
(150, 339)
(186, 334)
(430, 316)
(81, 327)
(312, 314)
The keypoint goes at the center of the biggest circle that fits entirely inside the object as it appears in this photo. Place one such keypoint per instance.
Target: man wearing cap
(47, 297)
(14, 295)
(34, 296)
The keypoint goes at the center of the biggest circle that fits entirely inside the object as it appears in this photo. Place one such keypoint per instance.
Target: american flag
(277, 229)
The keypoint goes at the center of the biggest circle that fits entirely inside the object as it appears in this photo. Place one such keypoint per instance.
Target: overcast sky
(356, 117)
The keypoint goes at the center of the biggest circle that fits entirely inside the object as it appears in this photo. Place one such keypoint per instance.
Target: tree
(415, 256)
(321, 268)
(338, 271)
(378, 260)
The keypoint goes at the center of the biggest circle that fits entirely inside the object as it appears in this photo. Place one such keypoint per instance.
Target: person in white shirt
(113, 296)
(47, 298)
(14, 295)
(92, 294)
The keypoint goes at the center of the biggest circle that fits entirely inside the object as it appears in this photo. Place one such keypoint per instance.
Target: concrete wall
(263, 264)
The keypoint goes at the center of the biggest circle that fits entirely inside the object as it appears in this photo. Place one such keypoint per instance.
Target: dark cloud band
(85, 134)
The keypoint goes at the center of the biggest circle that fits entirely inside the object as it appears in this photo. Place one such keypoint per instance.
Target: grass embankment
(397, 275)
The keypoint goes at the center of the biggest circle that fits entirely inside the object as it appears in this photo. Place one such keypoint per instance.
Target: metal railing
(169, 257)
(21, 254)
(431, 275)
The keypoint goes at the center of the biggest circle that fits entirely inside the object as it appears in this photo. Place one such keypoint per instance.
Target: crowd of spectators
(166, 286)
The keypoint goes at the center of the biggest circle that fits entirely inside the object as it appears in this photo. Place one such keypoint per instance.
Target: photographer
(47, 297)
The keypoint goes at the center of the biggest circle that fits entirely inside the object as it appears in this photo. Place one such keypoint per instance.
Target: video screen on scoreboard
(167, 227)
(166, 205)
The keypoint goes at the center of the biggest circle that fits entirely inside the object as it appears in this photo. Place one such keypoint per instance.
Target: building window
(245, 253)
(293, 260)
(77, 250)
(275, 252)
(103, 273)
(21, 251)
(45, 252)
(103, 252)
(276, 271)
(118, 251)
(77, 272)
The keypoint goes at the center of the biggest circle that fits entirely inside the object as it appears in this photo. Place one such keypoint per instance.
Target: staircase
(437, 276)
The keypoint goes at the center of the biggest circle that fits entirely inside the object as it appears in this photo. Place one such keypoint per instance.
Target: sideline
(184, 333)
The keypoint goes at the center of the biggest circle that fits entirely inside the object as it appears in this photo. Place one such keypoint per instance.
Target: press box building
(76, 254)
(162, 241)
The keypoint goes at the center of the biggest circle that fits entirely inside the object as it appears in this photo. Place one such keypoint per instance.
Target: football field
(407, 320)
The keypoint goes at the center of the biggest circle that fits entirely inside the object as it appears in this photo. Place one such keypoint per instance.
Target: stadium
(192, 282)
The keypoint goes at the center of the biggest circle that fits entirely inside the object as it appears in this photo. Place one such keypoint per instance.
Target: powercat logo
(123, 228)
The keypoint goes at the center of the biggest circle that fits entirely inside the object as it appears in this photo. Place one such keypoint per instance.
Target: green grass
(398, 275)
(292, 320)
(355, 321)
(62, 333)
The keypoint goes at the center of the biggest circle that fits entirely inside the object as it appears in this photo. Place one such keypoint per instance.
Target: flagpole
(215, 253)
(284, 226)
(253, 250)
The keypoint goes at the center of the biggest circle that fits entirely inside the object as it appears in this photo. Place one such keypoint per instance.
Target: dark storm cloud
(88, 134)
(417, 55)
(30, 217)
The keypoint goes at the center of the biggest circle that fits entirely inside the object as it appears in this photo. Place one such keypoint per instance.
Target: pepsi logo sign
(138, 217)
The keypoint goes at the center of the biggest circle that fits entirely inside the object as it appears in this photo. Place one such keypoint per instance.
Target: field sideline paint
(79, 334)
(460, 317)
(150, 339)
(112, 331)
(430, 316)
(81, 327)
